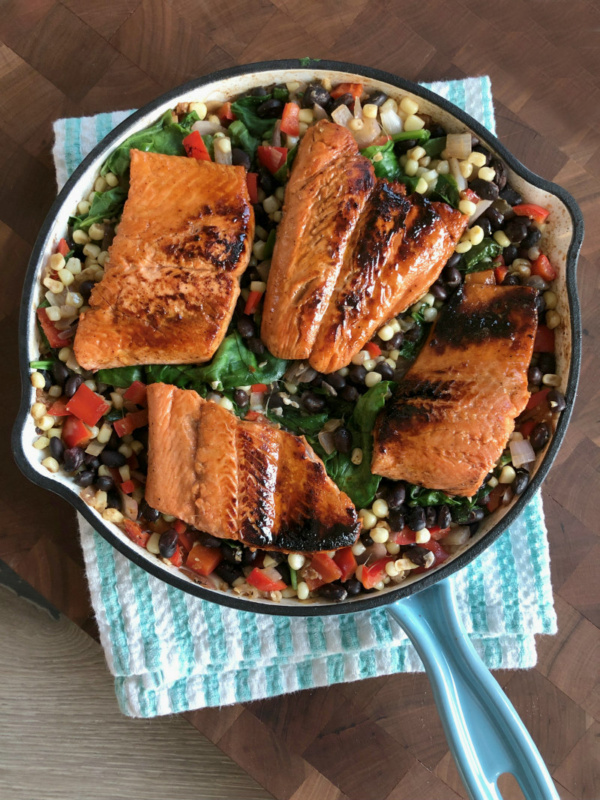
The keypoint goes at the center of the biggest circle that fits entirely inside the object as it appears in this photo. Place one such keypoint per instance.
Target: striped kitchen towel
(170, 652)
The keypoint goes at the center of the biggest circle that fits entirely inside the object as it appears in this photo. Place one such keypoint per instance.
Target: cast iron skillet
(484, 732)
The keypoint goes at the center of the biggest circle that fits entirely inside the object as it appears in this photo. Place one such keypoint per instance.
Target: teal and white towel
(171, 652)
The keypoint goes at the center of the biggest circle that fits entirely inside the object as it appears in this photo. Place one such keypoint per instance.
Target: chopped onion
(358, 112)
(391, 122)
(276, 138)
(367, 134)
(329, 389)
(130, 506)
(263, 269)
(319, 112)
(521, 451)
(458, 145)
(297, 371)
(457, 536)
(272, 574)
(375, 551)
(256, 400)
(55, 299)
(222, 149)
(291, 141)
(342, 115)
(326, 441)
(461, 181)
(482, 206)
(88, 494)
(203, 127)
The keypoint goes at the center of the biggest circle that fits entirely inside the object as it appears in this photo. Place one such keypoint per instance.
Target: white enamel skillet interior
(561, 243)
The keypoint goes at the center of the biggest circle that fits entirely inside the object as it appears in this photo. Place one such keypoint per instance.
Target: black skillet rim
(370, 601)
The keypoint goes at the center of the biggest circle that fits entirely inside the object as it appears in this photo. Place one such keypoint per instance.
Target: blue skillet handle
(483, 730)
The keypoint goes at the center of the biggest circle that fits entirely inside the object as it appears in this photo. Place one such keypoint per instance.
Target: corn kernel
(200, 109)
(226, 403)
(417, 153)
(356, 124)
(357, 456)
(430, 314)
(92, 250)
(57, 262)
(64, 354)
(443, 168)
(372, 379)
(501, 238)
(74, 266)
(463, 247)
(551, 300)
(409, 106)
(413, 123)
(466, 169)
(477, 159)
(392, 548)
(551, 380)
(296, 560)
(476, 235)
(486, 174)
(46, 422)
(55, 287)
(51, 464)
(83, 207)
(66, 277)
(379, 535)
(422, 186)
(80, 237)
(306, 115)
(302, 590)
(386, 333)
(507, 475)
(37, 380)
(358, 548)
(41, 443)
(96, 232)
(390, 104)
(422, 536)
(55, 391)
(113, 515)
(553, 319)
(368, 519)
(391, 569)
(467, 207)
(271, 204)
(380, 508)
(111, 179)
(153, 542)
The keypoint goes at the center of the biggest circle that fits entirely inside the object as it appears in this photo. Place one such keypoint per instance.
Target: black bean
(104, 483)
(114, 442)
(93, 462)
(486, 226)
(395, 495)
(540, 304)
(270, 109)
(148, 513)
(357, 373)
(532, 239)
(516, 230)
(512, 197)
(414, 334)
(396, 342)
(353, 587)
(284, 570)
(275, 400)
(315, 93)
(229, 572)
(556, 400)
(113, 500)
(495, 217)
(85, 289)
(343, 100)
(240, 158)
(520, 482)
(534, 376)
(416, 519)
(365, 538)
(540, 436)
(249, 556)
(342, 440)
(231, 554)
(452, 276)
(112, 458)
(85, 478)
(349, 394)
(444, 517)
(436, 131)
(386, 372)
(511, 280)
(47, 379)
(245, 327)
(207, 540)
(376, 98)
(486, 190)
(267, 183)
(256, 346)
(509, 254)
(60, 372)
(313, 403)
(73, 459)
(430, 516)
(57, 448)
(501, 175)
(258, 91)
(333, 591)
(167, 544)
(547, 363)
(418, 555)
(473, 528)
(454, 260)
(72, 384)
(336, 380)
(240, 398)
(476, 514)
(397, 519)
(438, 290)
(402, 147)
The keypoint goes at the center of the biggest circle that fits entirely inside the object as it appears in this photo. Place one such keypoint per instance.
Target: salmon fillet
(451, 416)
(328, 187)
(172, 279)
(351, 252)
(241, 480)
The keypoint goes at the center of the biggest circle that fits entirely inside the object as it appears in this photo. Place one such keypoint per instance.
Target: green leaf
(41, 364)
(270, 244)
(245, 110)
(446, 190)
(281, 93)
(283, 173)
(242, 138)
(235, 365)
(410, 350)
(434, 147)
(306, 61)
(480, 256)
(168, 373)
(294, 578)
(120, 376)
(105, 205)
(302, 424)
(421, 136)
(387, 166)
(114, 414)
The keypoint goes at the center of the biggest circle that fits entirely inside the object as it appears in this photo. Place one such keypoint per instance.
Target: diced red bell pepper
(137, 393)
(127, 487)
(272, 158)
(544, 340)
(186, 540)
(135, 532)
(179, 526)
(355, 89)
(203, 560)
(253, 416)
(87, 405)
(405, 536)
(290, 120)
(177, 557)
(542, 267)
(495, 497)
(266, 580)
(536, 399)
(62, 247)
(252, 184)
(538, 213)
(75, 433)
(252, 302)
(376, 572)
(50, 330)
(500, 272)
(346, 561)
(195, 148)
(469, 194)
(58, 409)
(321, 570)
(259, 387)
(225, 113)
(438, 551)
(372, 349)
(129, 423)
(438, 533)
(526, 428)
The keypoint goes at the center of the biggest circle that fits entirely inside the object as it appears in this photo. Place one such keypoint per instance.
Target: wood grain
(380, 738)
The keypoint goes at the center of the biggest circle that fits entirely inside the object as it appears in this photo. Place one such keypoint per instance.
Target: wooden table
(381, 738)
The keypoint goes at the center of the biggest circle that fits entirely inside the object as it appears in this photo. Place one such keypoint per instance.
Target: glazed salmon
(451, 416)
(172, 278)
(241, 480)
(351, 251)
(328, 187)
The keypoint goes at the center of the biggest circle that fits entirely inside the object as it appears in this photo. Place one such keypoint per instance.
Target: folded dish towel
(171, 652)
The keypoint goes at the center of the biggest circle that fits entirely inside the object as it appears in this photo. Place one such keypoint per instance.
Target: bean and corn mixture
(94, 426)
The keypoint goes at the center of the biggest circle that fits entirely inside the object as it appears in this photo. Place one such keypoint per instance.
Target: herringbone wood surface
(381, 738)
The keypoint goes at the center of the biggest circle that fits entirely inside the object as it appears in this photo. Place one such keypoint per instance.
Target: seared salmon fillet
(328, 187)
(450, 418)
(172, 278)
(351, 251)
(241, 480)
(396, 252)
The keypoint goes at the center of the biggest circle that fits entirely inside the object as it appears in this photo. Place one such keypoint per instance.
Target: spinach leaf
(306, 61)
(235, 365)
(480, 256)
(209, 141)
(387, 166)
(434, 147)
(446, 190)
(105, 205)
(242, 138)
(114, 414)
(421, 136)
(168, 373)
(283, 173)
(281, 93)
(245, 110)
(409, 350)
(165, 136)
(120, 376)
(462, 506)
(269, 244)
(297, 422)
